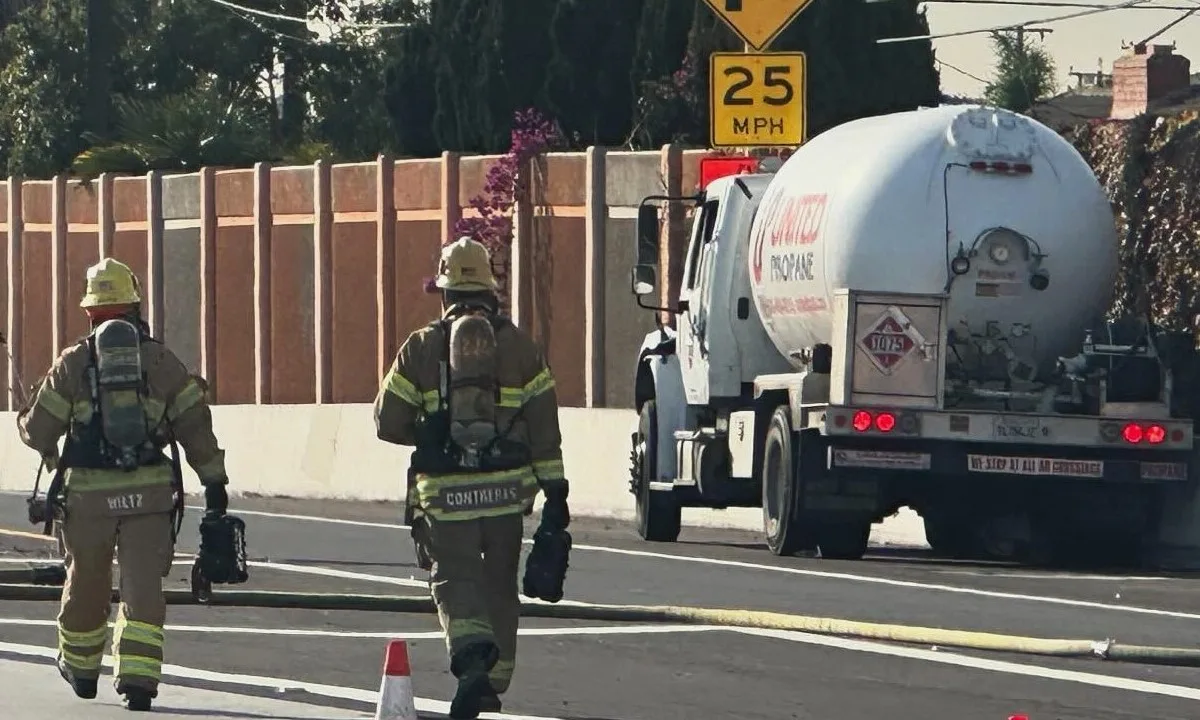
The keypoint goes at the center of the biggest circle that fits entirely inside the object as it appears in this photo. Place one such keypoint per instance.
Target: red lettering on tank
(794, 221)
(799, 221)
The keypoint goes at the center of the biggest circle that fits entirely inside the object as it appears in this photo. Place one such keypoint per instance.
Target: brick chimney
(1140, 79)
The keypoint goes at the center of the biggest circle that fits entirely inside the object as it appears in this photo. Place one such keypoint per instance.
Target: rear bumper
(996, 461)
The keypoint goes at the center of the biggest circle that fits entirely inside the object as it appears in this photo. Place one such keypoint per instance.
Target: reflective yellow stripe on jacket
(469, 496)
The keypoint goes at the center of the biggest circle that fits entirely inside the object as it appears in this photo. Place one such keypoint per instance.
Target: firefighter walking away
(473, 395)
(119, 397)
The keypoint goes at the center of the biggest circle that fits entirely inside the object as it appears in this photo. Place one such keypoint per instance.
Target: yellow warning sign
(758, 22)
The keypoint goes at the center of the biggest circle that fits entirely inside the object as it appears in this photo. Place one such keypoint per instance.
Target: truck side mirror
(647, 235)
(643, 279)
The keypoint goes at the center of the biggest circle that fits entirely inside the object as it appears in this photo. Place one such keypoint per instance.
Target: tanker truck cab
(690, 378)
(922, 327)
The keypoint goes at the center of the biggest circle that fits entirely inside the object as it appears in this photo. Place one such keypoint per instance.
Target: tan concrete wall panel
(631, 176)
(129, 199)
(355, 378)
(417, 185)
(293, 359)
(625, 324)
(418, 246)
(37, 348)
(292, 190)
(83, 250)
(35, 202)
(472, 176)
(561, 180)
(83, 202)
(353, 187)
(233, 373)
(235, 193)
(559, 302)
(6, 399)
(129, 246)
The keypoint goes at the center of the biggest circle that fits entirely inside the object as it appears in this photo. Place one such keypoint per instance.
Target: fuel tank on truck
(990, 206)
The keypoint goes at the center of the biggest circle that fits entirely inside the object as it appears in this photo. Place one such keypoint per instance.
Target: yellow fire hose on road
(736, 618)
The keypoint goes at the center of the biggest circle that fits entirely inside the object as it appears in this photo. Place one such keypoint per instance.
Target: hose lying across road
(43, 581)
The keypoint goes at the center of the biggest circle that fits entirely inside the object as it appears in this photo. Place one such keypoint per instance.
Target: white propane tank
(888, 203)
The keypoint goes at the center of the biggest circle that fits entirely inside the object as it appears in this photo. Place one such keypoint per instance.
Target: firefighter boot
(137, 699)
(83, 687)
(490, 702)
(471, 667)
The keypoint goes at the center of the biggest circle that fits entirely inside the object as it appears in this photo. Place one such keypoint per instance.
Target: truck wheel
(658, 513)
(844, 539)
(782, 521)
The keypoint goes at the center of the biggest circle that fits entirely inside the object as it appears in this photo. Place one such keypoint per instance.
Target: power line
(1012, 26)
(1049, 4)
(960, 71)
(1170, 25)
(305, 21)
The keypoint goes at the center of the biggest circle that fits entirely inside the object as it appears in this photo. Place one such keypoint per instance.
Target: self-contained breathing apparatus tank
(473, 387)
(117, 386)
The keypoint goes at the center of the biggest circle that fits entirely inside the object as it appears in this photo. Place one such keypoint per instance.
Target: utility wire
(1170, 25)
(1010, 26)
(1048, 4)
(305, 21)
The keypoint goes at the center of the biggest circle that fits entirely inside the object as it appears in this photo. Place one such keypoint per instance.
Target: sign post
(757, 99)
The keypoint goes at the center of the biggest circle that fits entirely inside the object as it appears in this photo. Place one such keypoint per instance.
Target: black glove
(216, 499)
(555, 513)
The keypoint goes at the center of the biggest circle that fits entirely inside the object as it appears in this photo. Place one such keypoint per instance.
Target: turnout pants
(474, 584)
(144, 551)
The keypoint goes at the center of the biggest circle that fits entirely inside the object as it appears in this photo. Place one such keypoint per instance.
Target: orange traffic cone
(396, 690)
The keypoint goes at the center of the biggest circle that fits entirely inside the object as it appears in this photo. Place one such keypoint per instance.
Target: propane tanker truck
(911, 312)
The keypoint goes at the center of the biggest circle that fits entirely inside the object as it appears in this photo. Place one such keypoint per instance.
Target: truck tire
(782, 522)
(844, 539)
(658, 513)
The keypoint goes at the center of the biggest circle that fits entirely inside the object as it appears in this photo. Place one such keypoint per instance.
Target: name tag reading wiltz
(132, 501)
(477, 497)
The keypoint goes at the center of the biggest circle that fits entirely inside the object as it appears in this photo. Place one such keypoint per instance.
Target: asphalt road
(593, 671)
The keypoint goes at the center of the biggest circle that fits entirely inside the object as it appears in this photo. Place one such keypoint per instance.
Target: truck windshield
(702, 232)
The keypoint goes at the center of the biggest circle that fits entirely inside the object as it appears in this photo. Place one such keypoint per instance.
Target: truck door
(697, 290)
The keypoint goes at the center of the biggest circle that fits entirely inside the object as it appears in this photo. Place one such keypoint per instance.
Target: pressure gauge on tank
(999, 253)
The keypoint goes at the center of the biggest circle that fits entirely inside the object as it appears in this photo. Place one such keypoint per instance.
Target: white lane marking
(404, 634)
(1055, 576)
(1111, 682)
(279, 685)
(1050, 600)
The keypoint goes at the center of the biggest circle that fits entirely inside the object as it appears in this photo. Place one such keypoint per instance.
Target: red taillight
(1132, 432)
(1156, 434)
(885, 421)
(861, 421)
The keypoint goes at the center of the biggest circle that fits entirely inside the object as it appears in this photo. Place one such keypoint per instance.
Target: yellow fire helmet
(466, 265)
(110, 282)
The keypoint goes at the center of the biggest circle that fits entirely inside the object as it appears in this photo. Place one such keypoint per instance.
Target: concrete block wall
(294, 285)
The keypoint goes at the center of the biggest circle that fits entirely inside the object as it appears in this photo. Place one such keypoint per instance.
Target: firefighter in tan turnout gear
(120, 398)
(472, 393)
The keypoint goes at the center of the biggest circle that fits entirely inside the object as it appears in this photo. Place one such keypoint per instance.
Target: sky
(1080, 42)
